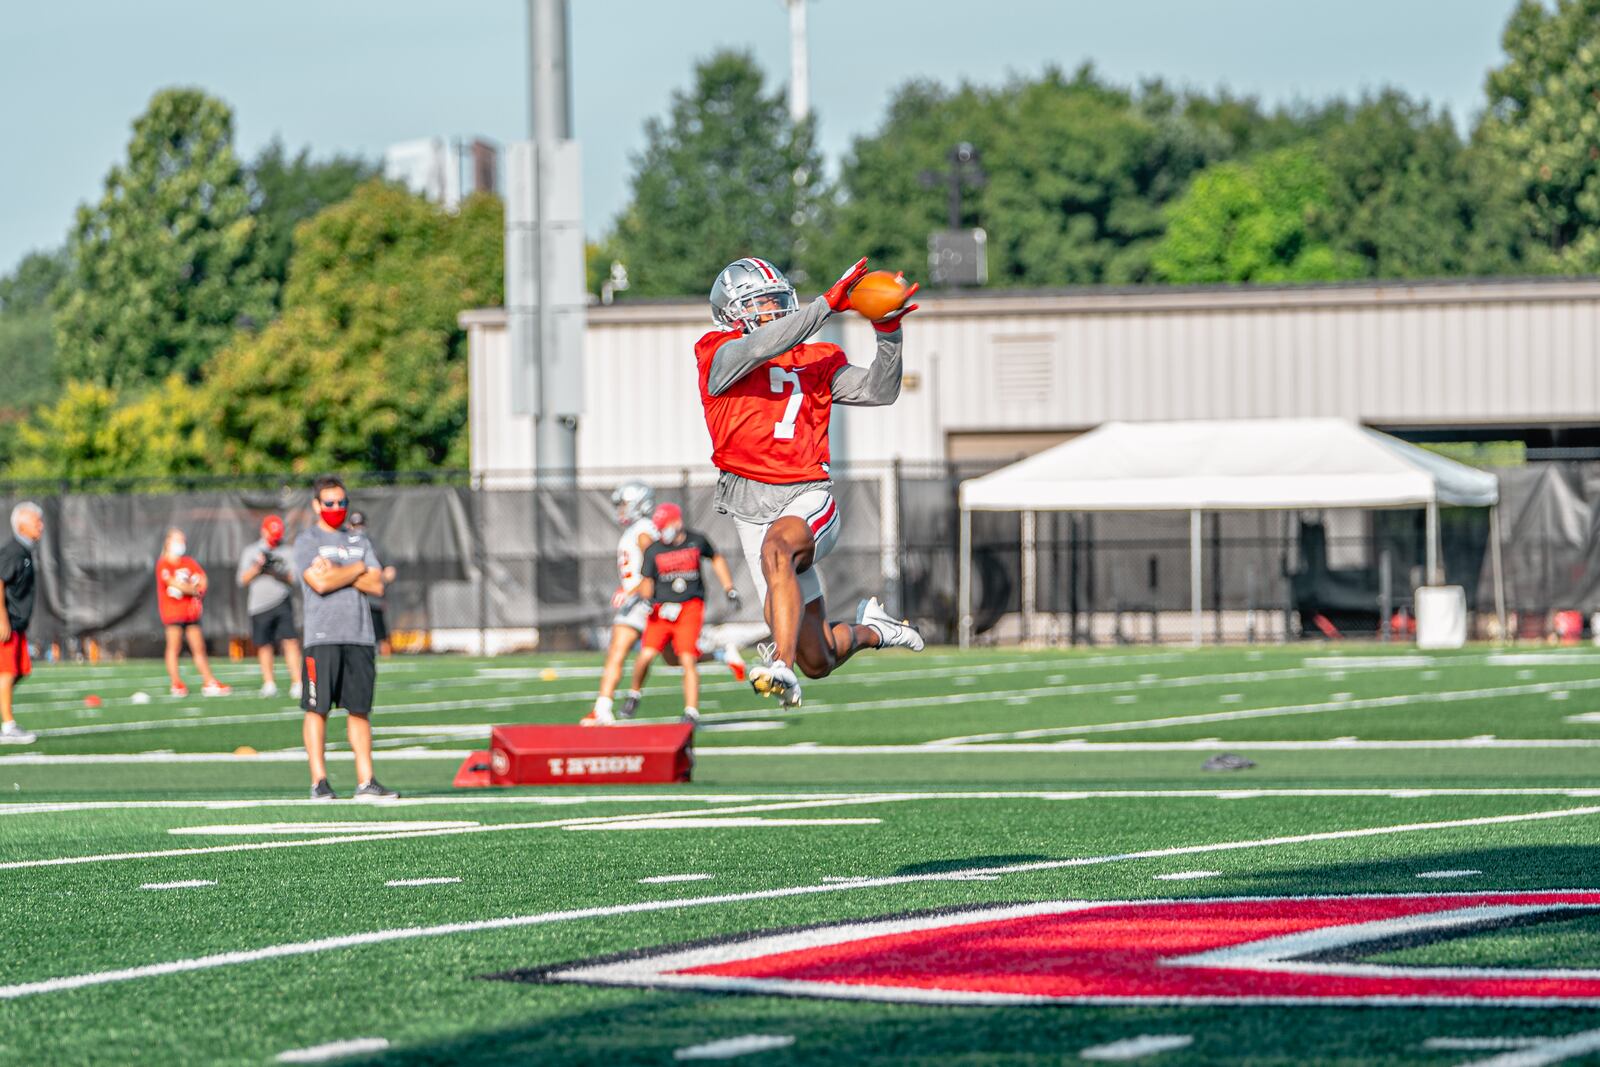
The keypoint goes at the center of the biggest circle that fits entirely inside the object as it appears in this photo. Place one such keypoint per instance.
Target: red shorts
(14, 658)
(678, 623)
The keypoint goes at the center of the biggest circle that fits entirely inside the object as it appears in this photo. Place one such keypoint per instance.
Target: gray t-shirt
(271, 587)
(342, 616)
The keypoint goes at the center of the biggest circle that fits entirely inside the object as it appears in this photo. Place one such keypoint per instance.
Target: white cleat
(270, 689)
(294, 691)
(892, 632)
(774, 678)
(12, 734)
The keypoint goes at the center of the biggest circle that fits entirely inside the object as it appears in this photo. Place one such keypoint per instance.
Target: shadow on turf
(969, 863)
(1527, 867)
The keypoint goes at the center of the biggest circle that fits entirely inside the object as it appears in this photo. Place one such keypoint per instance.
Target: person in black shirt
(672, 579)
(17, 583)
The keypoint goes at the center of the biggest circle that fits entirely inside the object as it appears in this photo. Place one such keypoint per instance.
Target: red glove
(838, 297)
(891, 322)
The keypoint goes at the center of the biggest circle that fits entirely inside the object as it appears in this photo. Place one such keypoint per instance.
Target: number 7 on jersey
(780, 379)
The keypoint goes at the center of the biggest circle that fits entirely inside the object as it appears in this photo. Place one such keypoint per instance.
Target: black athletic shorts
(273, 625)
(380, 627)
(339, 676)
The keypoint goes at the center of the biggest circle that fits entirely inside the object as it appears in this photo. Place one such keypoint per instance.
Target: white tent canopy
(1247, 464)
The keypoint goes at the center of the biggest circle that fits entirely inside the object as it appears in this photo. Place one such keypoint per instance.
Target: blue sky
(357, 75)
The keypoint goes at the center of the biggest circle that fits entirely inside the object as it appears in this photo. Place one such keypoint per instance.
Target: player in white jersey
(634, 502)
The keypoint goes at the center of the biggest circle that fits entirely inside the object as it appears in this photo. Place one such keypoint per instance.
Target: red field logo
(1248, 950)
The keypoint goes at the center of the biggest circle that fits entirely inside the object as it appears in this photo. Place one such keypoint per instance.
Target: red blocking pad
(588, 755)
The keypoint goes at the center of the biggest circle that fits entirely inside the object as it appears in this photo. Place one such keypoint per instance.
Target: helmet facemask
(750, 293)
(760, 308)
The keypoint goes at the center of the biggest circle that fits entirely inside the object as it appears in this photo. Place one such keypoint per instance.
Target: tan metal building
(999, 374)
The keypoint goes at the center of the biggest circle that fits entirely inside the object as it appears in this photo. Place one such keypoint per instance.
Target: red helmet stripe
(766, 268)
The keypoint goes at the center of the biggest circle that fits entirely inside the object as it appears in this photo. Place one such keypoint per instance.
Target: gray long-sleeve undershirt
(863, 386)
(872, 386)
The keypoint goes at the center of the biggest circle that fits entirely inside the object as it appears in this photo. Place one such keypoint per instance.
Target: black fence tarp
(474, 559)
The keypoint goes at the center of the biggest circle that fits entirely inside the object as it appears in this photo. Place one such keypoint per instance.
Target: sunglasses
(341, 502)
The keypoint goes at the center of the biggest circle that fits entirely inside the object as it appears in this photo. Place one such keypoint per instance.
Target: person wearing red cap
(264, 574)
(675, 585)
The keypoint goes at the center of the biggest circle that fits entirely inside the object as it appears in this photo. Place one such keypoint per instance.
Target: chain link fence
(520, 563)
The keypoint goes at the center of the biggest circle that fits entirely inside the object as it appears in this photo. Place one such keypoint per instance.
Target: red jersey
(177, 609)
(771, 426)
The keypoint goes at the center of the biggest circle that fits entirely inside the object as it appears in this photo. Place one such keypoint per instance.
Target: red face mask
(272, 531)
(334, 517)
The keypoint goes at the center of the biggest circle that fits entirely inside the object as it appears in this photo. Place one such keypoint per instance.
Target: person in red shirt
(180, 588)
(675, 587)
(768, 394)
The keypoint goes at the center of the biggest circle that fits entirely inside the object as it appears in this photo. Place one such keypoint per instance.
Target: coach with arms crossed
(338, 571)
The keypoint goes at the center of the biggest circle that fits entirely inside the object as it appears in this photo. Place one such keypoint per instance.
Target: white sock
(634, 694)
(602, 705)
(692, 712)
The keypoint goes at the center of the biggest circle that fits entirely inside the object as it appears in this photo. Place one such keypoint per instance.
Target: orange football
(877, 294)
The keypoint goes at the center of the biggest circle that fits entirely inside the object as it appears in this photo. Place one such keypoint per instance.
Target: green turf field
(168, 902)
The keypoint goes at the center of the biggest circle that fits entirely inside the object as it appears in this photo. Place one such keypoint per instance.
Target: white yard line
(665, 879)
(267, 829)
(1089, 748)
(712, 822)
(807, 748)
(981, 696)
(1402, 700)
(1392, 792)
(333, 1050)
(258, 846)
(304, 948)
(581, 696)
(1447, 874)
(729, 1047)
(1479, 1044)
(1551, 1050)
(399, 883)
(193, 883)
(280, 755)
(1136, 1048)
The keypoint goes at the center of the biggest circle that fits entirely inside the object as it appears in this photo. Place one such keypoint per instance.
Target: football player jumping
(768, 393)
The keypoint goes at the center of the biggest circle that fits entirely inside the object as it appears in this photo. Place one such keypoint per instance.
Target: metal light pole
(799, 62)
(545, 298)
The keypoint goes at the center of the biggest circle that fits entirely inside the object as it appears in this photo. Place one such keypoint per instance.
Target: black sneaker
(323, 791)
(630, 706)
(376, 790)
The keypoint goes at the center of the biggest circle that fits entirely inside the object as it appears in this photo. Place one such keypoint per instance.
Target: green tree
(166, 266)
(1412, 200)
(27, 344)
(1079, 172)
(1543, 122)
(726, 174)
(365, 369)
(1262, 221)
(88, 435)
(288, 190)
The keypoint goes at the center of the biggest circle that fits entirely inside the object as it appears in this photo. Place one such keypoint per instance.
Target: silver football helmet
(748, 289)
(633, 501)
